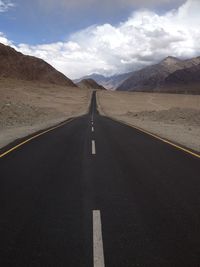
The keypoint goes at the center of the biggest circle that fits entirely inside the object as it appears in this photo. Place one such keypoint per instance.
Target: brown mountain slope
(90, 84)
(15, 65)
(184, 76)
(153, 78)
(186, 80)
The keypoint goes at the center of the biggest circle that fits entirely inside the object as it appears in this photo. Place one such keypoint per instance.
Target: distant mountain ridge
(90, 84)
(158, 77)
(110, 83)
(170, 75)
(15, 65)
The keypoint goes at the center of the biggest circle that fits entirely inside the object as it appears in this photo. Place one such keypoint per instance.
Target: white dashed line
(92, 129)
(97, 240)
(93, 148)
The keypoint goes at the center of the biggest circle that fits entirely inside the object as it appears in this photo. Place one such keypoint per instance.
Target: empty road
(97, 193)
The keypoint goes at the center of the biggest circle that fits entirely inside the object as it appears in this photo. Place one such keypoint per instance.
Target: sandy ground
(27, 107)
(172, 116)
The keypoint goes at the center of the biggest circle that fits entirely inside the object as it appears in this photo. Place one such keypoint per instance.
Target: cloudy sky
(80, 37)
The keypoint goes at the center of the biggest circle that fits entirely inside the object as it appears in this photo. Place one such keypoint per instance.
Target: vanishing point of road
(97, 193)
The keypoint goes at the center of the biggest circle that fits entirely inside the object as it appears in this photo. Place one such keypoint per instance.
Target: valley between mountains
(35, 96)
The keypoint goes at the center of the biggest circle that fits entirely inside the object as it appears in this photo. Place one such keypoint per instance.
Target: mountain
(115, 81)
(96, 77)
(110, 83)
(187, 80)
(184, 76)
(90, 84)
(154, 78)
(15, 65)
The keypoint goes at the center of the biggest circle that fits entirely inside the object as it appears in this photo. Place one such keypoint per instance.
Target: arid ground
(26, 107)
(172, 116)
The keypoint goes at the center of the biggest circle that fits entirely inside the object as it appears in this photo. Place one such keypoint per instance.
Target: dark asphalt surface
(148, 193)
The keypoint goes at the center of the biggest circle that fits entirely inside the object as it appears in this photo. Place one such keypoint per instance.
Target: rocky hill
(90, 84)
(186, 80)
(17, 66)
(159, 76)
(110, 83)
(184, 76)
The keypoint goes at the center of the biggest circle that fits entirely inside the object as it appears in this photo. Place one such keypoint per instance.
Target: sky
(108, 37)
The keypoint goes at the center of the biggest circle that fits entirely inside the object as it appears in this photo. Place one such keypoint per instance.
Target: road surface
(95, 192)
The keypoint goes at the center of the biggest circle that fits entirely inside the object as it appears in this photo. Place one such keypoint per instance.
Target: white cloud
(4, 40)
(145, 38)
(5, 5)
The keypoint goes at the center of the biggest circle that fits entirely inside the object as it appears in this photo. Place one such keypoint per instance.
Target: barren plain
(27, 107)
(175, 117)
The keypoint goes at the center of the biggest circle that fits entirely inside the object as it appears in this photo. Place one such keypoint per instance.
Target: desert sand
(172, 116)
(26, 107)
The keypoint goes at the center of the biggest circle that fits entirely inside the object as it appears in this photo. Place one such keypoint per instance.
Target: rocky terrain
(21, 67)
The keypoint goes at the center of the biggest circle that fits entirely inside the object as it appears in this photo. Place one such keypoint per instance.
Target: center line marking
(92, 129)
(93, 148)
(98, 252)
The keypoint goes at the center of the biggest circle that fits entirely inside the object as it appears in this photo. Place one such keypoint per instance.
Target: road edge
(165, 140)
(19, 142)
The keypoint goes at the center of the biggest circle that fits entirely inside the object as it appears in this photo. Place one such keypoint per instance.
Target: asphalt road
(99, 195)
